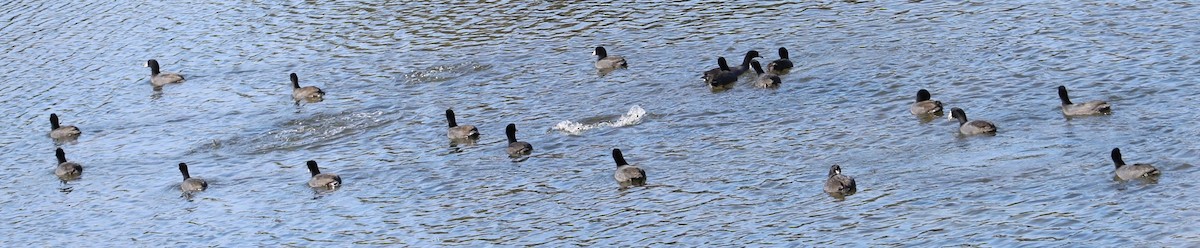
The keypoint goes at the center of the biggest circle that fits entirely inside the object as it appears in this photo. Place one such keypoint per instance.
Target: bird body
(189, 183)
(66, 170)
(456, 132)
(159, 78)
(62, 132)
(971, 127)
(322, 180)
(605, 62)
(1080, 109)
(1132, 171)
(839, 183)
(627, 175)
(924, 105)
(781, 65)
(516, 148)
(309, 93)
(723, 78)
(765, 79)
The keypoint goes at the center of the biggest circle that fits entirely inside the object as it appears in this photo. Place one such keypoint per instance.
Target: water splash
(633, 117)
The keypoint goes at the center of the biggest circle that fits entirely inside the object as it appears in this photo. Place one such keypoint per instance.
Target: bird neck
(313, 168)
(450, 119)
(1062, 95)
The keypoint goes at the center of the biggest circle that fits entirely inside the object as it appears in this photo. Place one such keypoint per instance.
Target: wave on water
(633, 117)
(443, 73)
(317, 130)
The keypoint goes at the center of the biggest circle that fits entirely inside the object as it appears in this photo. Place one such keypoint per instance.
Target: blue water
(742, 167)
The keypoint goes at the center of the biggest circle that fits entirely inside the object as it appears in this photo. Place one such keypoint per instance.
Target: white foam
(633, 117)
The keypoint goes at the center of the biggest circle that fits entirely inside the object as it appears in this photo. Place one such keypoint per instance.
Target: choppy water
(740, 167)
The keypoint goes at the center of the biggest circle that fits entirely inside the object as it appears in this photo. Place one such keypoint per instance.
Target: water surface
(739, 167)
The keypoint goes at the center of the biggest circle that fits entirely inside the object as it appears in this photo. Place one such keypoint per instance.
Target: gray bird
(627, 175)
(309, 93)
(1133, 171)
(925, 106)
(460, 132)
(971, 127)
(723, 78)
(1078, 109)
(62, 132)
(737, 71)
(190, 184)
(782, 65)
(159, 78)
(66, 171)
(322, 180)
(605, 62)
(765, 79)
(516, 148)
(838, 183)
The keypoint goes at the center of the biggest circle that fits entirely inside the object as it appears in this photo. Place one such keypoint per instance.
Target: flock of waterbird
(68, 171)
(627, 175)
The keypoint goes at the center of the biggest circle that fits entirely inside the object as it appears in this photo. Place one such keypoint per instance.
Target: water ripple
(742, 167)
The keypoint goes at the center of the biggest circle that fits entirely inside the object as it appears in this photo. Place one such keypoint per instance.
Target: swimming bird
(781, 65)
(1077, 109)
(460, 132)
(62, 132)
(765, 79)
(627, 175)
(158, 78)
(310, 93)
(605, 62)
(1133, 171)
(839, 183)
(516, 148)
(972, 127)
(723, 78)
(190, 184)
(925, 106)
(745, 66)
(66, 171)
(737, 71)
(322, 180)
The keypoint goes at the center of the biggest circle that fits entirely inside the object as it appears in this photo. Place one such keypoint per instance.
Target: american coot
(605, 62)
(159, 78)
(190, 184)
(745, 66)
(781, 65)
(838, 183)
(971, 127)
(62, 132)
(723, 78)
(460, 132)
(1077, 109)
(516, 148)
(310, 93)
(925, 106)
(322, 180)
(737, 71)
(1133, 171)
(66, 171)
(627, 175)
(765, 79)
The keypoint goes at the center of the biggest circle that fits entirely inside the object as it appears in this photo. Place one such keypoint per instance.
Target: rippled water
(739, 167)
